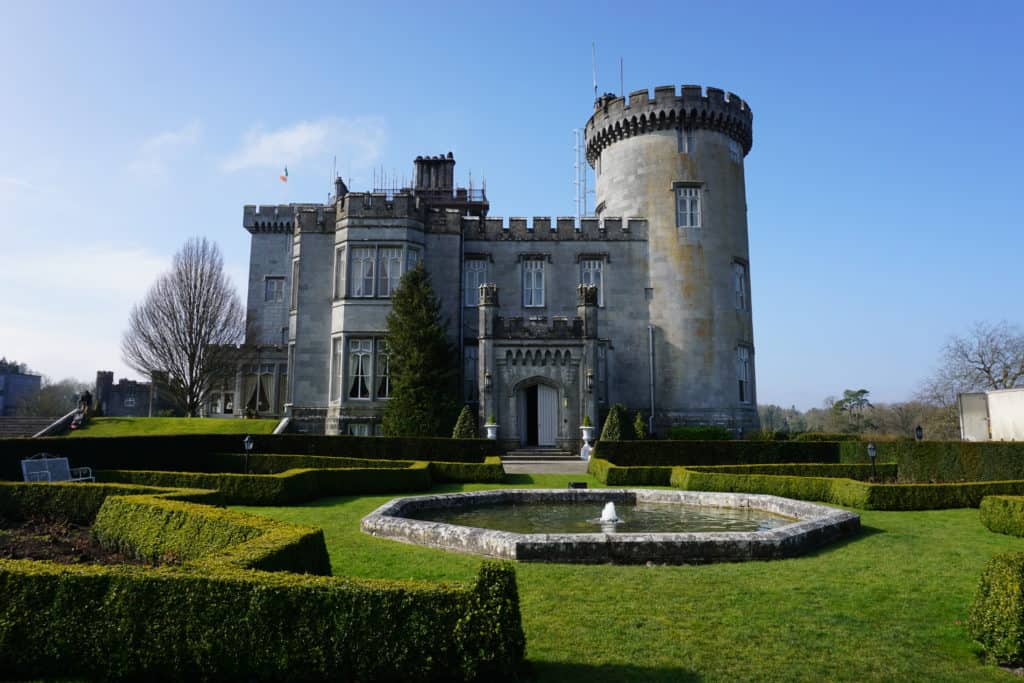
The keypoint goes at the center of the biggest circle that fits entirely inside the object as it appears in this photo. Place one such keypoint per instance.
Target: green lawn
(888, 605)
(153, 426)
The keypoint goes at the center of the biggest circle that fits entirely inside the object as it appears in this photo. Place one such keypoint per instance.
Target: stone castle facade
(647, 303)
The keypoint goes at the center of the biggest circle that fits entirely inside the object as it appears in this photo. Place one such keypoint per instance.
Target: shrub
(1003, 514)
(609, 474)
(195, 452)
(669, 453)
(465, 426)
(699, 433)
(996, 619)
(133, 623)
(490, 471)
(946, 461)
(285, 488)
(616, 428)
(639, 426)
(826, 436)
(130, 623)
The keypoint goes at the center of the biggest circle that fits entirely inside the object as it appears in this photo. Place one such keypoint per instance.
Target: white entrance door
(547, 415)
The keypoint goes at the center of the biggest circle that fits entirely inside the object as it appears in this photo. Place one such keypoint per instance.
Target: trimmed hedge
(1003, 514)
(285, 488)
(216, 618)
(77, 503)
(996, 619)
(173, 624)
(613, 475)
(826, 436)
(946, 461)
(681, 453)
(194, 451)
(490, 471)
(702, 433)
(846, 492)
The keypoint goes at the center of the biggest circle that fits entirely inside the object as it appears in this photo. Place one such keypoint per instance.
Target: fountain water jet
(608, 515)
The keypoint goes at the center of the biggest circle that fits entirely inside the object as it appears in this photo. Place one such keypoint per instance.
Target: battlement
(616, 118)
(269, 218)
(314, 219)
(401, 204)
(544, 228)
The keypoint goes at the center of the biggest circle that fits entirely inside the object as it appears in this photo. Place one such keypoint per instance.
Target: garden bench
(45, 467)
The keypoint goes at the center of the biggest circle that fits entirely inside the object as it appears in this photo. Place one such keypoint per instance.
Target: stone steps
(24, 426)
(539, 455)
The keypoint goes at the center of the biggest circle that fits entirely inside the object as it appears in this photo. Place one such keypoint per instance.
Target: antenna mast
(580, 172)
(593, 65)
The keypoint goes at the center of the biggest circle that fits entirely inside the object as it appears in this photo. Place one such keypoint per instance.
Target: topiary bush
(699, 433)
(1003, 514)
(639, 426)
(996, 618)
(616, 426)
(465, 426)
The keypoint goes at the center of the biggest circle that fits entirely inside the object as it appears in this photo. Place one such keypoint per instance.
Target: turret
(677, 159)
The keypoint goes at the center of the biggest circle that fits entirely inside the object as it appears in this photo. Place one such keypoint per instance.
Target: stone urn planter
(587, 433)
(492, 429)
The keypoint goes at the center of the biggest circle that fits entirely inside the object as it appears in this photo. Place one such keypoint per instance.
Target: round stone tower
(677, 160)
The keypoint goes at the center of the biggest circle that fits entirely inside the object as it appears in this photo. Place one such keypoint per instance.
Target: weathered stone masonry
(665, 259)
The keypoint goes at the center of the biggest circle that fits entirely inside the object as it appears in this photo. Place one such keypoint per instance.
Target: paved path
(556, 467)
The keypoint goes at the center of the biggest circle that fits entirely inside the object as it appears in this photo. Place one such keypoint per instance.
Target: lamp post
(919, 433)
(247, 444)
(872, 452)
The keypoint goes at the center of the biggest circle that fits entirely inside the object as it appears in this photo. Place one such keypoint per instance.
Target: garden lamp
(872, 452)
(918, 433)
(247, 443)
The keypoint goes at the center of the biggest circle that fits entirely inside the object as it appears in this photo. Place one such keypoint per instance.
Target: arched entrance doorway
(538, 415)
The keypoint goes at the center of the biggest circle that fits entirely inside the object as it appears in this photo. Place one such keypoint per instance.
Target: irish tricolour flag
(284, 176)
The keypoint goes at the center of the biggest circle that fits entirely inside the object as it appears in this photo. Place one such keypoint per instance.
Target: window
(469, 369)
(295, 284)
(229, 402)
(688, 207)
(735, 151)
(533, 283)
(129, 401)
(362, 271)
(359, 360)
(383, 371)
(339, 272)
(412, 257)
(390, 269)
(687, 140)
(474, 274)
(337, 365)
(591, 274)
(358, 429)
(743, 374)
(273, 288)
(739, 279)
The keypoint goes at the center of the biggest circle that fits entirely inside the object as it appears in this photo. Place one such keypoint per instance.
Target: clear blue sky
(883, 186)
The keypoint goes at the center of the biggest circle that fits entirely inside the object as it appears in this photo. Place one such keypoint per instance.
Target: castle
(647, 303)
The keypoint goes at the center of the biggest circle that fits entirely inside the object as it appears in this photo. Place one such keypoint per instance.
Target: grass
(887, 605)
(154, 426)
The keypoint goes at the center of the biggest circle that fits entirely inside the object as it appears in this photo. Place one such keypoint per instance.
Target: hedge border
(219, 617)
(1003, 514)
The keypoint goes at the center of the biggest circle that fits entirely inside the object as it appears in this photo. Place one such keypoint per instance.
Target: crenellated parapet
(269, 218)
(545, 228)
(616, 118)
(379, 205)
(559, 327)
(315, 219)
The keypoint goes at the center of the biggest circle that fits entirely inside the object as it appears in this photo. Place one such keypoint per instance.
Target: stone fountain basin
(815, 526)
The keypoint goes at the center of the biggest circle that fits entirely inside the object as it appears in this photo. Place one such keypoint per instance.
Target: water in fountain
(608, 515)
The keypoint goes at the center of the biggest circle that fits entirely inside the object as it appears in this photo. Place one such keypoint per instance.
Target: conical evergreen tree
(422, 363)
(616, 425)
(465, 427)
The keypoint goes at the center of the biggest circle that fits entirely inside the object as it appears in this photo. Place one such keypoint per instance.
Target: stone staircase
(539, 455)
(24, 426)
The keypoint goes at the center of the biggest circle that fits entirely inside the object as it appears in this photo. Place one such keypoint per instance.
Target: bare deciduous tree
(187, 324)
(990, 356)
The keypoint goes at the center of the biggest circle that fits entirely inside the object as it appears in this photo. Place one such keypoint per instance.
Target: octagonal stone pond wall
(814, 526)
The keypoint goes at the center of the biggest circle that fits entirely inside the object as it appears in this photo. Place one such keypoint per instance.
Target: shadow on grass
(612, 673)
(864, 533)
(519, 479)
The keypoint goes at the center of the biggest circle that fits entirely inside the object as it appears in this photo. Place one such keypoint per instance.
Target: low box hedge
(77, 503)
(197, 452)
(996, 618)
(613, 475)
(682, 453)
(489, 471)
(218, 617)
(842, 491)
(284, 488)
